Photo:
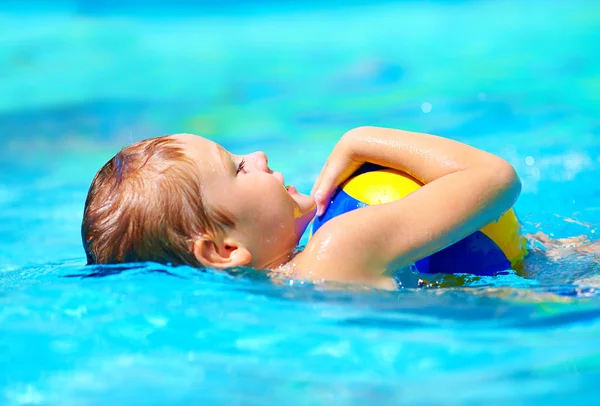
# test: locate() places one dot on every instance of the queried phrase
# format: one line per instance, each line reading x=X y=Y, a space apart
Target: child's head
x=183 y=199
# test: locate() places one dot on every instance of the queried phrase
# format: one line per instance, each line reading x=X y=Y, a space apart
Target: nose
x=260 y=161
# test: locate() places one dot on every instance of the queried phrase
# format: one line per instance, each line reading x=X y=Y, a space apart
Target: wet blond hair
x=146 y=204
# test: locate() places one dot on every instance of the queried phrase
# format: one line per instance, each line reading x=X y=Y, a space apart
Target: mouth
x=289 y=188
x=279 y=176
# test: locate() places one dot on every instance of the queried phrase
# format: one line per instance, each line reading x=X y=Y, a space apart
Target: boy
x=183 y=199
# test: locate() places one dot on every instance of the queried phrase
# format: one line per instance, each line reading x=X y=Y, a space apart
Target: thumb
x=331 y=177
x=322 y=201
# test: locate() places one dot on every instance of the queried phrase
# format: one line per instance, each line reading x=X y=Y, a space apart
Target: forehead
x=204 y=152
x=194 y=144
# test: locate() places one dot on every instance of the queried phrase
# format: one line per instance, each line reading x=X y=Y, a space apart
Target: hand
x=341 y=164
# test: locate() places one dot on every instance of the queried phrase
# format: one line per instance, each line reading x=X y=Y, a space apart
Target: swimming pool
x=80 y=79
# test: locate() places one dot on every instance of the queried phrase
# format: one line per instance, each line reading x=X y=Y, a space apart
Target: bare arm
x=465 y=189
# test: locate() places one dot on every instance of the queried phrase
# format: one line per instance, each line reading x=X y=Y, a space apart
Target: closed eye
x=241 y=166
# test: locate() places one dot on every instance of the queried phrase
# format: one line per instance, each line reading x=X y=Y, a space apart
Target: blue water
x=81 y=79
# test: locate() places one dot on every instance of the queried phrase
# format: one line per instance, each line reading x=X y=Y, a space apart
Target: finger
x=337 y=171
x=320 y=191
x=319 y=178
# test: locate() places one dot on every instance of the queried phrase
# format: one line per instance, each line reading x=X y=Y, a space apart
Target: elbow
x=506 y=181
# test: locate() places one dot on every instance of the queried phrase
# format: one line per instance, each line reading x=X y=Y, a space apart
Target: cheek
x=267 y=201
x=279 y=207
x=274 y=195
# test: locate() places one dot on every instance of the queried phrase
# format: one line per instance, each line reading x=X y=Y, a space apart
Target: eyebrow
x=224 y=158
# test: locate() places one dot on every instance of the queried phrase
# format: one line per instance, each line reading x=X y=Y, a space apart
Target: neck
x=282 y=265
x=277 y=262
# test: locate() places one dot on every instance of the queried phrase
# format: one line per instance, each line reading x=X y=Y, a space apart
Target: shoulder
x=331 y=255
x=320 y=255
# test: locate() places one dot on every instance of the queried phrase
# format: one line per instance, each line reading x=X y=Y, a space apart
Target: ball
x=496 y=247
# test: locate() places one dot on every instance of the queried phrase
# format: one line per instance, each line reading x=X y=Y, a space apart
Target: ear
x=215 y=253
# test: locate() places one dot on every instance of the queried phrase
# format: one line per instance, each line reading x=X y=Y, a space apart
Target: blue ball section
x=476 y=254
x=341 y=202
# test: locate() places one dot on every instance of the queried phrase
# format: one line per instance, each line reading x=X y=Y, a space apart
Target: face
x=269 y=217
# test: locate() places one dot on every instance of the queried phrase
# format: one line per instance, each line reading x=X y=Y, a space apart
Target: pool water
x=81 y=79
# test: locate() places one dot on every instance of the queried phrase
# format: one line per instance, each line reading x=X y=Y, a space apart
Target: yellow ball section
x=388 y=185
